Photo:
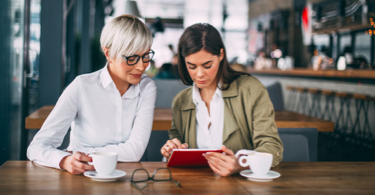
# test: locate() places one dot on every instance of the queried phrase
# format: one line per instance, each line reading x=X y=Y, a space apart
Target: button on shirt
x=100 y=119
x=209 y=138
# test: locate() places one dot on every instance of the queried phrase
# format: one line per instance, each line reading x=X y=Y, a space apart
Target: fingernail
x=208 y=162
x=208 y=153
x=203 y=154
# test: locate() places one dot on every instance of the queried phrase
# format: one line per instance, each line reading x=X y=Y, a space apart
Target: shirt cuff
x=58 y=157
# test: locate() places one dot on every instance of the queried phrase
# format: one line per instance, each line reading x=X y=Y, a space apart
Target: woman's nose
x=139 y=65
x=200 y=71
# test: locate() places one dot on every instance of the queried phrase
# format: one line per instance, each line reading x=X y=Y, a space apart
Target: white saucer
x=115 y=175
x=262 y=178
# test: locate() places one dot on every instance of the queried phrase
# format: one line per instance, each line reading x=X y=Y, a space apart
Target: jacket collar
x=232 y=91
x=188 y=103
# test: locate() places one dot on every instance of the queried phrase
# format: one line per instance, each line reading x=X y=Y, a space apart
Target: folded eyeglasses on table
x=142 y=175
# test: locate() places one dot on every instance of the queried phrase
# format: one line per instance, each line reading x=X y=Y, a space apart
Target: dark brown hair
x=204 y=36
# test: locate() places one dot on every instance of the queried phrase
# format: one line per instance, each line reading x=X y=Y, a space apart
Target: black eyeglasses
x=132 y=60
x=141 y=175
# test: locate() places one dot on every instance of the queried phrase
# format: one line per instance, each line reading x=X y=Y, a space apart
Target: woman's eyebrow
x=202 y=64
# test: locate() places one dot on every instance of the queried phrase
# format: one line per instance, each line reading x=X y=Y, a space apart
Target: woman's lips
x=136 y=75
x=201 y=82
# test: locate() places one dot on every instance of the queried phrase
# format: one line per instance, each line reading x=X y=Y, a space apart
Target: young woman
x=108 y=110
x=223 y=109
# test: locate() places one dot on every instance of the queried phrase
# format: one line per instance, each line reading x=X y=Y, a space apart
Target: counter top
x=363 y=74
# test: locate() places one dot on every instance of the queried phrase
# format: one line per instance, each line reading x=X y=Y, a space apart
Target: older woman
x=223 y=109
x=108 y=110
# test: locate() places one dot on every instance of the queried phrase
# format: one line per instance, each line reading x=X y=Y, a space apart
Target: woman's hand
x=223 y=164
x=76 y=163
x=168 y=147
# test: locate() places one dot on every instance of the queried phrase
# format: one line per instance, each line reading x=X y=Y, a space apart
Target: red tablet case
x=189 y=157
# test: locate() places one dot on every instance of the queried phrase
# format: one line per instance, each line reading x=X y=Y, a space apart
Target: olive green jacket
x=249 y=118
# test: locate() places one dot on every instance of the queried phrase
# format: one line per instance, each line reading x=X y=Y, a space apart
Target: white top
x=209 y=138
x=100 y=119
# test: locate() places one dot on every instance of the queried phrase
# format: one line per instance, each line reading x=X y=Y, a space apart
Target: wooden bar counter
x=360 y=74
x=25 y=177
x=163 y=120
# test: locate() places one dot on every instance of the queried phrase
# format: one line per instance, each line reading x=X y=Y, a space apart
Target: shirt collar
x=106 y=79
x=197 y=96
x=133 y=91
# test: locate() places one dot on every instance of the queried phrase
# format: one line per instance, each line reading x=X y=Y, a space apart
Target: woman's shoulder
x=87 y=78
x=248 y=82
x=183 y=96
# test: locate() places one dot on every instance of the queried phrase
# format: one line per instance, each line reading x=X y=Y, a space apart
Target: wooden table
x=25 y=177
x=163 y=120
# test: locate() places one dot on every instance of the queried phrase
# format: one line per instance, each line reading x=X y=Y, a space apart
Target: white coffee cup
x=259 y=162
x=104 y=162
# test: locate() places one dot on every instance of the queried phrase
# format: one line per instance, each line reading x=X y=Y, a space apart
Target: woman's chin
x=201 y=86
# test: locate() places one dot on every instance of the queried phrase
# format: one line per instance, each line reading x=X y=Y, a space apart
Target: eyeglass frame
x=139 y=57
x=152 y=178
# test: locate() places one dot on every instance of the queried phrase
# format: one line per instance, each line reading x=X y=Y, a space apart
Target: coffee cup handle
x=244 y=164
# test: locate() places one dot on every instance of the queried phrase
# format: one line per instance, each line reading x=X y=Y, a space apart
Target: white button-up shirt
x=100 y=119
x=209 y=138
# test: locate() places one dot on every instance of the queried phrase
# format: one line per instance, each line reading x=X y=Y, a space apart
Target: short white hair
x=125 y=35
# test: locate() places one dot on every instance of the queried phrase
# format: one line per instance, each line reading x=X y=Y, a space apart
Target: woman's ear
x=221 y=57
x=106 y=53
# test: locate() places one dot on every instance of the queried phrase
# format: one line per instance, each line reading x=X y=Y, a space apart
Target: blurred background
x=304 y=45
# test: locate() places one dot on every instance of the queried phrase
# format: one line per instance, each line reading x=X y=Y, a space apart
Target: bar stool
x=343 y=123
x=329 y=111
x=292 y=96
x=302 y=105
x=315 y=109
x=363 y=132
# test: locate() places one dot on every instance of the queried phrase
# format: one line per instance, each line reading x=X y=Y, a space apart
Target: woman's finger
x=219 y=163
x=185 y=145
x=165 y=152
x=77 y=166
x=83 y=166
x=171 y=144
x=177 y=142
x=214 y=168
x=82 y=157
x=221 y=156
x=227 y=151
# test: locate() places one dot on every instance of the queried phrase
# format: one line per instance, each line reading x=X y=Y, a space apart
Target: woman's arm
x=265 y=134
x=132 y=150
x=175 y=137
x=43 y=148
